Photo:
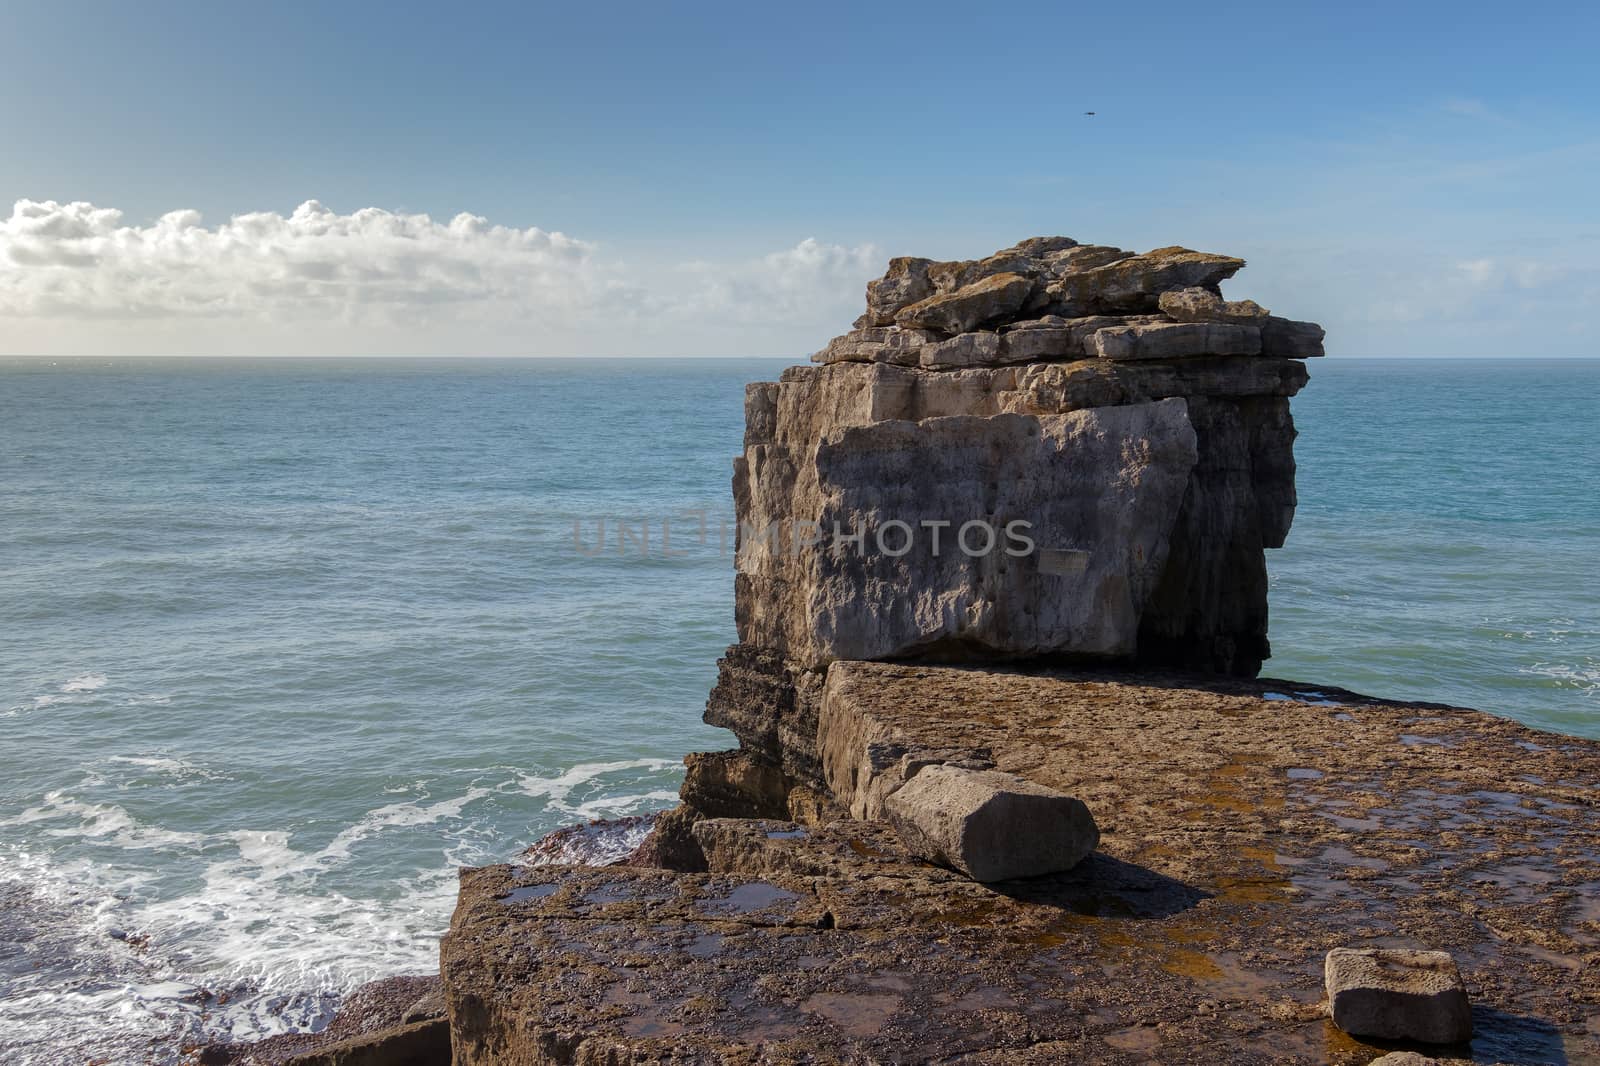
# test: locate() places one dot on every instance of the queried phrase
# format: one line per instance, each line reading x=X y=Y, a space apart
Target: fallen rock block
x=991 y=826
x=1404 y=1058
x=1395 y=994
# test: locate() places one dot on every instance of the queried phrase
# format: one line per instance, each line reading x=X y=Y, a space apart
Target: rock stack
x=1061 y=452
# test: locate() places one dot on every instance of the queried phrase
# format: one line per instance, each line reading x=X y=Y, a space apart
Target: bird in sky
x=1088 y=112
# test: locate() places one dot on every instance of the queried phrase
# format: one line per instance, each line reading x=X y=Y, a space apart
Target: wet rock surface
x=398 y=1021
x=1247 y=829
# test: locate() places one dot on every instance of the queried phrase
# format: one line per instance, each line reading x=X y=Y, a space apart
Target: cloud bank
x=76 y=278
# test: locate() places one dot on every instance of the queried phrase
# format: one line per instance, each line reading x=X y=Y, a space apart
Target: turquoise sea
x=283 y=642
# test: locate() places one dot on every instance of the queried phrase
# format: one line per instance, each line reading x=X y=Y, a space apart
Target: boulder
x=1203 y=305
x=905 y=282
x=1175 y=340
x=990 y=300
x=1133 y=285
x=1044 y=344
x=989 y=825
x=1058 y=264
x=1403 y=1058
x=1041 y=246
x=1076 y=260
x=1396 y=994
x=1286 y=339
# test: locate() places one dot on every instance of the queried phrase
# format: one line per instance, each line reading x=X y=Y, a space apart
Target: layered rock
x=1150 y=466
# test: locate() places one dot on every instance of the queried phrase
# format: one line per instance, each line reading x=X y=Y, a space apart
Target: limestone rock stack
x=1062 y=451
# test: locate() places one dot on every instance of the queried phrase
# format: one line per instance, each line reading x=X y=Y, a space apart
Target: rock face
x=1395 y=994
x=1017 y=535
x=1122 y=516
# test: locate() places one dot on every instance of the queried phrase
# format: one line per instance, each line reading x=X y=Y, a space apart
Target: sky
x=722 y=179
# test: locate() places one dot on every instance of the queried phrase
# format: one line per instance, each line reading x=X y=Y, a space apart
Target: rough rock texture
x=771 y=706
x=992 y=299
x=1174 y=340
x=1398 y=994
x=1099 y=491
x=905 y=282
x=1203 y=305
x=1247 y=829
x=989 y=825
x=1135 y=284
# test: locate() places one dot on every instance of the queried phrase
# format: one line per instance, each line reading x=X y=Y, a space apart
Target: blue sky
x=1419 y=178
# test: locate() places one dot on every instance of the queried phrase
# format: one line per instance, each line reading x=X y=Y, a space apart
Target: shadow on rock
x=1104 y=887
x=1499 y=1036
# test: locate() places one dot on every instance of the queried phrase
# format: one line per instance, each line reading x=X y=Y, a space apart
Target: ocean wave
x=598 y=843
x=255 y=944
x=69 y=691
x=559 y=790
x=151 y=936
x=1584 y=678
x=168 y=766
x=84 y=683
x=102 y=822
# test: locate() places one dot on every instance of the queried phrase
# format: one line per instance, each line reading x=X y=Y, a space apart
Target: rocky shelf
x=1247 y=828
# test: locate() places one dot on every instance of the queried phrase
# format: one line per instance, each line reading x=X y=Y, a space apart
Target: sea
x=284 y=643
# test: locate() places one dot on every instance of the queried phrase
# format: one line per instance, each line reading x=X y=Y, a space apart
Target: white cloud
x=77 y=260
x=76 y=277
x=785 y=286
x=1513 y=273
x=1477 y=271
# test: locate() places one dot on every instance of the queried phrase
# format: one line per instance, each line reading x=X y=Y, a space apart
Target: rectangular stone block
x=1397 y=994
